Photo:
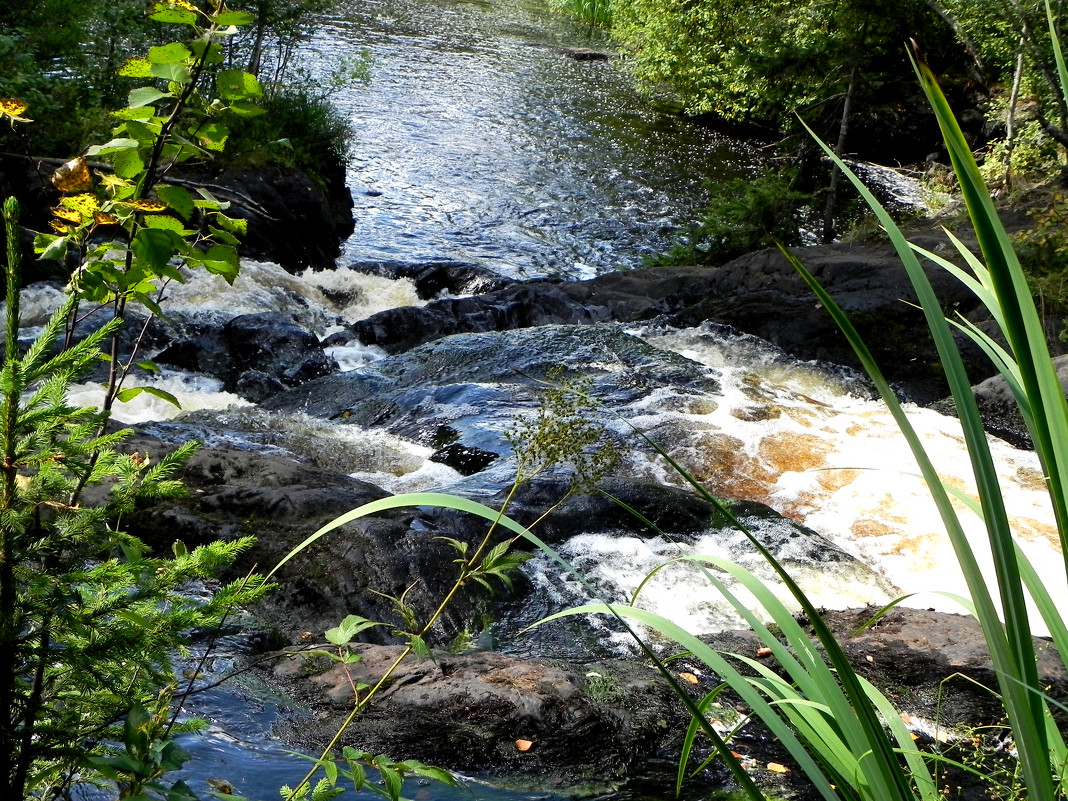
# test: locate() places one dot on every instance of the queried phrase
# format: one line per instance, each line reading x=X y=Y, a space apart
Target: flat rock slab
x=487 y=710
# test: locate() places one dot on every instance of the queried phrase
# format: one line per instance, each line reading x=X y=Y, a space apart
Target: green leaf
x=144 y=133
x=359 y=774
x=153 y=247
x=213 y=136
x=162 y=394
x=146 y=95
x=392 y=781
x=146 y=300
x=234 y=225
x=419 y=647
x=128 y=394
x=246 y=108
x=142 y=113
x=50 y=247
x=167 y=223
x=222 y=260
x=223 y=236
x=128 y=163
x=237 y=85
x=171 y=14
x=169 y=53
x=330 y=769
x=176 y=73
x=208 y=52
x=135 y=68
x=177 y=198
x=149 y=366
x=347 y=630
x=234 y=18
x=113 y=146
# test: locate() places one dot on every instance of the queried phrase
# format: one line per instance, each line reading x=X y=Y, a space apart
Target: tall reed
x=847 y=737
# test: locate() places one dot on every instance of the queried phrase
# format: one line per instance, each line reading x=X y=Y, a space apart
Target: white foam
x=318 y=300
x=192 y=392
x=794 y=438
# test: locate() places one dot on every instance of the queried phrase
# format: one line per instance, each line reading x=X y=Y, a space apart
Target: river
x=479 y=142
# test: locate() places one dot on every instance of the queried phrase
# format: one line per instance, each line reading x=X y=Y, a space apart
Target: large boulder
x=255 y=355
x=490 y=711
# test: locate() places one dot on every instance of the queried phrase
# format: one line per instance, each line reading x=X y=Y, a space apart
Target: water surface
x=479 y=141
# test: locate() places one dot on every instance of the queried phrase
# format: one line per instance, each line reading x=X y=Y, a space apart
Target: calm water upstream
x=479 y=141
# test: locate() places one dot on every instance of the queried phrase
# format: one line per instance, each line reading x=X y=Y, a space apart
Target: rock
x=602 y=721
x=490 y=711
x=760 y=294
x=586 y=54
x=255 y=355
x=998 y=406
x=463 y=459
x=291 y=220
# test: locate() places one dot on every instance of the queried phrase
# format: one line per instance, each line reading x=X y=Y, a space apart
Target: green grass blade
x=1010 y=644
x=1022 y=323
x=739 y=683
x=893 y=777
x=1058 y=55
x=403 y=501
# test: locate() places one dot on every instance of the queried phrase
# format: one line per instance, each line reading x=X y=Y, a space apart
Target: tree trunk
x=843 y=131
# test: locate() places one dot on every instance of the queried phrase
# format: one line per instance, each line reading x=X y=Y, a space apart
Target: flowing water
x=479 y=142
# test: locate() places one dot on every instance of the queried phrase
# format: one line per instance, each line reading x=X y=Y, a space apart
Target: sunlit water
x=478 y=141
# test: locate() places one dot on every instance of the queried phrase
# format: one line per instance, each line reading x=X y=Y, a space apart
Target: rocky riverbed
x=453 y=374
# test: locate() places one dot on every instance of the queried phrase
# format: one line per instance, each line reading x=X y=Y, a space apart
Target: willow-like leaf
x=1010 y=645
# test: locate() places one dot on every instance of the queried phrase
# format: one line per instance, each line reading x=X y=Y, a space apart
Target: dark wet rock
x=282 y=501
x=600 y=721
x=292 y=220
x=759 y=294
x=463 y=459
x=998 y=406
x=935 y=665
x=586 y=54
x=484 y=710
x=255 y=355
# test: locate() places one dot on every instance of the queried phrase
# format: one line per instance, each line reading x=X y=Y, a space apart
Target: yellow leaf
x=14 y=108
x=72 y=177
x=85 y=203
x=689 y=677
x=776 y=767
x=148 y=205
x=68 y=215
x=523 y=745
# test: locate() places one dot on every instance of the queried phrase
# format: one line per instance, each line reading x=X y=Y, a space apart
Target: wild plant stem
x=465 y=571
